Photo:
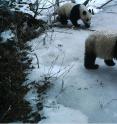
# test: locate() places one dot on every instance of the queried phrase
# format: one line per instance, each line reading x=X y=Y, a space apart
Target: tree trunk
x=57 y=3
x=86 y=2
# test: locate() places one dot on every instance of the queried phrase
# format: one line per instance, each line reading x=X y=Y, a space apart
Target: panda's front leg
x=75 y=25
x=109 y=62
x=74 y=21
x=89 y=61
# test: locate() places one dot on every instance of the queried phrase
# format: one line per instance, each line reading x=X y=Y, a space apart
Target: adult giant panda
x=102 y=45
x=74 y=12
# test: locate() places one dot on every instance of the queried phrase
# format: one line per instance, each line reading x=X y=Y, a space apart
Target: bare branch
x=109 y=102
x=86 y=2
x=37 y=59
x=53 y=5
x=37 y=7
x=52 y=64
x=104 y=4
x=57 y=3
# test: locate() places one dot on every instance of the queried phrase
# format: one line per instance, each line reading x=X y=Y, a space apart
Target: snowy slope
x=79 y=96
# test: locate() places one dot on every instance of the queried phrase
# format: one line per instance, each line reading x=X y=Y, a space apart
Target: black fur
x=89 y=61
x=84 y=13
x=87 y=25
x=75 y=15
x=63 y=20
x=109 y=62
x=91 y=11
x=115 y=51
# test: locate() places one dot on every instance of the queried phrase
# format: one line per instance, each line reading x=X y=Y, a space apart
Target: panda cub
x=102 y=45
x=74 y=12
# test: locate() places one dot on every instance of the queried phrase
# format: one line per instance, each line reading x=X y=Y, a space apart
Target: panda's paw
x=109 y=62
x=76 y=27
x=95 y=66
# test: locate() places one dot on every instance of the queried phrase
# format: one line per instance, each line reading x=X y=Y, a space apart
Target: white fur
x=101 y=44
x=65 y=9
x=88 y=16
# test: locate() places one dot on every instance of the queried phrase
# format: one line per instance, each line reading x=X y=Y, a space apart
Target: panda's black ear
x=84 y=13
x=91 y=11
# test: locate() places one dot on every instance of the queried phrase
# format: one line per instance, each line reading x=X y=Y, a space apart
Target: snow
x=23 y=8
x=29 y=1
x=32 y=97
x=6 y=35
x=97 y=3
x=63 y=115
x=47 y=54
x=78 y=95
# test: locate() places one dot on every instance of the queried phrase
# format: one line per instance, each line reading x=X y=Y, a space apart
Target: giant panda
x=103 y=45
x=74 y=12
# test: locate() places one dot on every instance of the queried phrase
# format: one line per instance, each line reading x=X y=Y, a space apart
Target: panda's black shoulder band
x=75 y=12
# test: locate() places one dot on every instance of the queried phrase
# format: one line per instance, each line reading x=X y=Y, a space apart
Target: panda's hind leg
x=63 y=20
x=109 y=62
x=89 y=61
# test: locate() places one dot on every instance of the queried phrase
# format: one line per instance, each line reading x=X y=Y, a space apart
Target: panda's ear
x=84 y=13
x=91 y=11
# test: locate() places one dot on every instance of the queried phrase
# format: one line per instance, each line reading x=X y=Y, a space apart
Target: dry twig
x=104 y=4
x=37 y=59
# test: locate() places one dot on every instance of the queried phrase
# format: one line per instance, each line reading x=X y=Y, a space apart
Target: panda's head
x=85 y=15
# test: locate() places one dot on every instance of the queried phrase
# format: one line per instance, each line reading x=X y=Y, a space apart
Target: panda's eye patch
x=87 y=20
x=84 y=12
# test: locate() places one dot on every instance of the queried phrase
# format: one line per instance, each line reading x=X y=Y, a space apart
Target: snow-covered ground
x=77 y=95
